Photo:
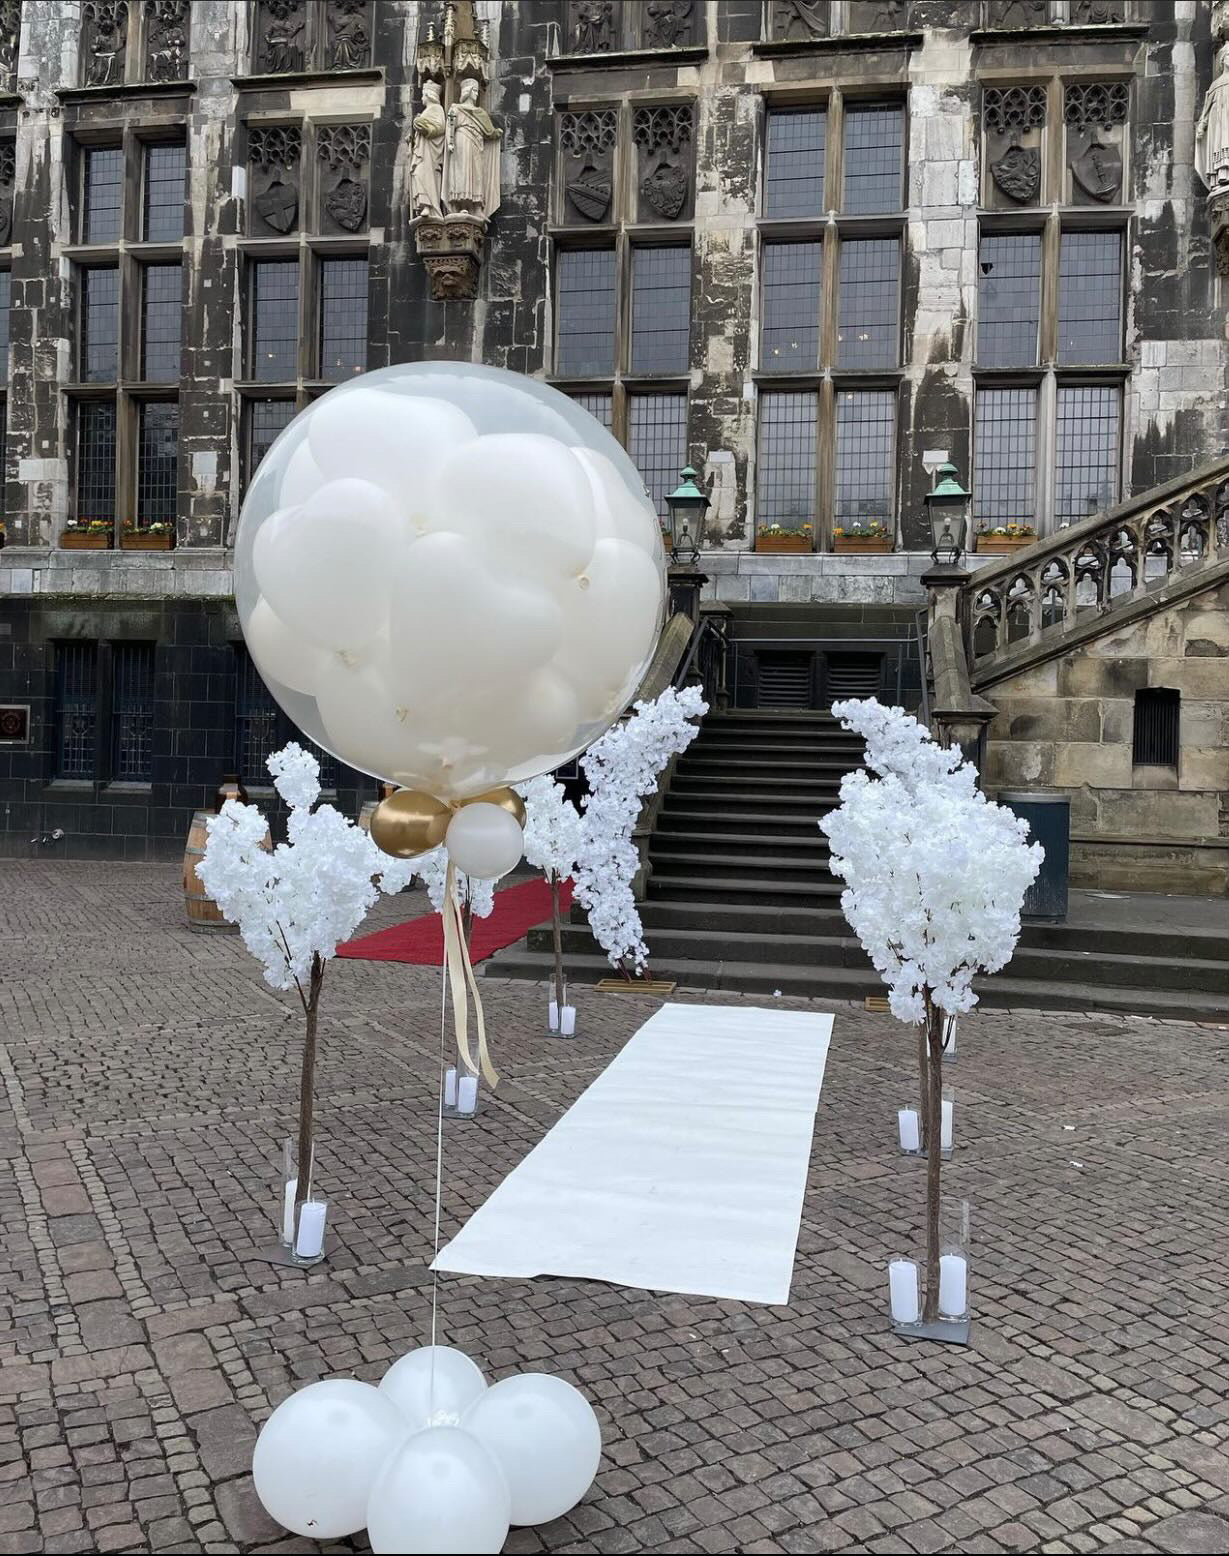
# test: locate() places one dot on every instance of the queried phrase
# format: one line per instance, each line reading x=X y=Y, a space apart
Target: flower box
x=146 y=542
x=1002 y=545
x=862 y=543
x=783 y=543
x=85 y=540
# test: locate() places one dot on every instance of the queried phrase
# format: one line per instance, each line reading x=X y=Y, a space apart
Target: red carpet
x=421 y=940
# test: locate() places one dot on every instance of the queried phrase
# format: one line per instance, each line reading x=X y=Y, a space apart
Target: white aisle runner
x=681 y=1168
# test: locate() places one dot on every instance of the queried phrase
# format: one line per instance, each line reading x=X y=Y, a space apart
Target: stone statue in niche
x=427 y=157
x=1096 y=13
x=105 y=41
x=471 y=166
x=280 y=43
x=592 y=27
x=798 y=20
x=349 y=42
x=1020 y=13
x=1212 y=140
x=8 y=177
x=589 y=138
x=877 y=15
x=10 y=38
x=166 y=39
x=274 y=152
x=662 y=134
x=667 y=23
x=346 y=150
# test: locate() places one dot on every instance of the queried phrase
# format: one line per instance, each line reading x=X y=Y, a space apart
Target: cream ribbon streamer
x=461 y=973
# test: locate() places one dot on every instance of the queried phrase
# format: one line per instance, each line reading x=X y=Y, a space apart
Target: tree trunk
x=307 y=1083
x=923 y=1065
x=557 y=926
x=934 y=1154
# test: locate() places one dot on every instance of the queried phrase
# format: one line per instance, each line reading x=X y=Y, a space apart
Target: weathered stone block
x=1081 y=763
x=1083 y=675
x=1203 y=768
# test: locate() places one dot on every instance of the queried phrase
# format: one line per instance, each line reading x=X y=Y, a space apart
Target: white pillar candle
x=567 y=1021
x=953 y=1285
x=910 y=1130
x=903 y=1285
x=467 y=1094
x=292 y=1188
x=949 y=1049
x=450 y=1088
x=310 y=1242
x=947 y=1128
x=553 y=1016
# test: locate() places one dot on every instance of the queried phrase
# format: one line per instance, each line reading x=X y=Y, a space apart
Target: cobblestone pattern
x=149 y=1077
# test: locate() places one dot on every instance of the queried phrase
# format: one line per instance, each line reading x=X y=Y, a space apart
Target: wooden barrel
x=203 y=912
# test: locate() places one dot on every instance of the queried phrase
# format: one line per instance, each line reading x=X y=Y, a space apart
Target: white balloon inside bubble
x=450 y=576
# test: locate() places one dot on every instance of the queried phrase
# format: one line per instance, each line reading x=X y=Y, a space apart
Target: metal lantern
x=688 y=505
x=948 y=507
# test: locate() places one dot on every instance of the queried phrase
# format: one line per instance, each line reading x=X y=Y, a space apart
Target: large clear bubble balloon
x=318 y=1455
x=449 y=576
x=546 y=1439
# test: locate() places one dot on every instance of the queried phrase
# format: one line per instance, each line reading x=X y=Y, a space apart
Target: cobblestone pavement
x=149 y=1077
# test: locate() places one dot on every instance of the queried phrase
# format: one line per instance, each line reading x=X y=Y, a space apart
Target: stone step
x=802 y=769
x=855 y=983
x=768 y=868
x=743 y=824
x=688 y=886
x=697 y=796
x=810 y=844
x=804 y=786
x=825 y=748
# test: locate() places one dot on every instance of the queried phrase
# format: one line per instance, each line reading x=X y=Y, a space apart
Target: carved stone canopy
x=451 y=250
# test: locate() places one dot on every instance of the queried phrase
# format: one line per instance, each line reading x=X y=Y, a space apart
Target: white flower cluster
x=553 y=827
x=935 y=873
x=622 y=768
x=311 y=892
x=432 y=870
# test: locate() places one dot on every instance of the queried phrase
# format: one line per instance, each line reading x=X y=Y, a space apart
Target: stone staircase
x=740 y=895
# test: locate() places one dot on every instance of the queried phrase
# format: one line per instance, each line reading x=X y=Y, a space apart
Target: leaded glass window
x=158 y=462
x=865 y=465
x=275 y=320
x=103 y=195
x=789 y=336
x=585 y=302
x=1089 y=417
x=163 y=217
x=6 y=283
x=599 y=406
x=1090 y=297
x=661 y=310
x=1005 y=459
x=1009 y=299
x=794 y=163
x=161 y=323
x=132 y=712
x=874 y=159
x=343 y=318
x=265 y=418
x=100 y=325
x=95 y=459
x=785 y=460
x=868 y=322
x=76 y=708
x=657 y=441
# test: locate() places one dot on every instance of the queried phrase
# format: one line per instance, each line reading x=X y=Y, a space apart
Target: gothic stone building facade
x=796 y=243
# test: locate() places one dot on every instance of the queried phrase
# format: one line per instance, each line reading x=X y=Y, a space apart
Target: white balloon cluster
x=432 y=1460
x=449 y=576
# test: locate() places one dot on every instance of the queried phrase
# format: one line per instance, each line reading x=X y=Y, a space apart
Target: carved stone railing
x=1083 y=580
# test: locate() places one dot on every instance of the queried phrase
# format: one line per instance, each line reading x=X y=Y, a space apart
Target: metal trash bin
x=1049 y=823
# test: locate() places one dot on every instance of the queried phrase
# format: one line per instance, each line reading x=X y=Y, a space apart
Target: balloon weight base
x=949 y=1331
x=635 y=986
x=920 y=1156
x=465 y=1118
x=288 y=1259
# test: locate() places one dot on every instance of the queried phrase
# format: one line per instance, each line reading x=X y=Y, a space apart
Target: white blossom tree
x=623 y=767
x=294 y=906
x=553 y=835
x=935 y=876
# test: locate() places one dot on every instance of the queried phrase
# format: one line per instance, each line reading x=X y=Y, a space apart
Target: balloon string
x=439 y=1182
x=464 y=985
